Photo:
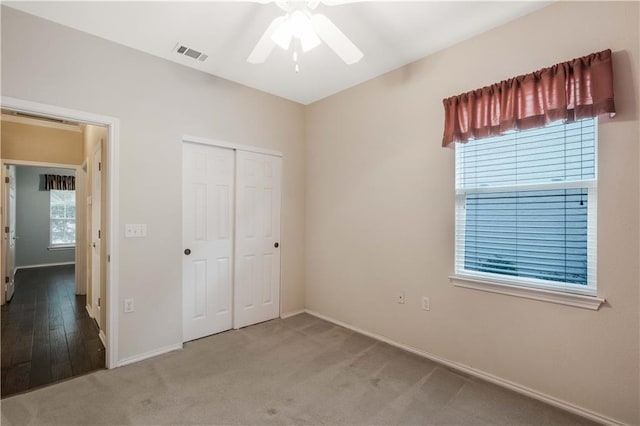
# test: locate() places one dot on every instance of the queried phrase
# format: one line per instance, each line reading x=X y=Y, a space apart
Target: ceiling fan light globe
x=309 y=41
x=302 y=29
x=299 y=23
x=282 y=35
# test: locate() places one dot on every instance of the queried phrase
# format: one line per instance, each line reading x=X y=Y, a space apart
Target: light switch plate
x=135 y=230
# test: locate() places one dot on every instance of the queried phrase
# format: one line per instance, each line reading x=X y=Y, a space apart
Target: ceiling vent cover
x=183 y=50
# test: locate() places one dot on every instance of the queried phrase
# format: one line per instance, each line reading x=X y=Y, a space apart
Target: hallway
x=47 y=334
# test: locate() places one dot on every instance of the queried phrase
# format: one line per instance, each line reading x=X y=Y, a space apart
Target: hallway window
x=62 y=215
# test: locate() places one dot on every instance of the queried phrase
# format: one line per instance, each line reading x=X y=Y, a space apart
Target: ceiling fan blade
x=336 y=39
x=265 y=45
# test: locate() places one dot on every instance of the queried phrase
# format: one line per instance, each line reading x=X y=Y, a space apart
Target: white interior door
x=96 y=234
x=10 y=236
x=81 y=236
x=207 y=229
x=257 y=254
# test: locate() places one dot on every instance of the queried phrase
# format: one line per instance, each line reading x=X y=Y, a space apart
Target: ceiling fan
x=306 y=30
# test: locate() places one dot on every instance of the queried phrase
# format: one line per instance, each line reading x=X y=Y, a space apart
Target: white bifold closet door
x=231 y=231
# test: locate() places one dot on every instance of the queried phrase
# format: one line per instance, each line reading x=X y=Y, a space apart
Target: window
x=526 y=208
x=62 y=216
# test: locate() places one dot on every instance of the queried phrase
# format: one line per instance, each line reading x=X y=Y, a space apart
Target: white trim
x=22 y=105
x=95 y=281
x=89 y=311
x=569 y=299
x=64 y=246
x=113 y=248
x=292 y=314
x=590 y=183
x=61 y=247
x=230 y=145
x=528 y=287
x=41 y=123
x=4 y=211
x=113 y=124
x=44 y=265
x=147 y=355
x=103 y=338
x=42 y=164
x=540 y=396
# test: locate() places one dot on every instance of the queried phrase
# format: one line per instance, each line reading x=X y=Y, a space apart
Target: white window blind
x=526 y=207
x=62 y=216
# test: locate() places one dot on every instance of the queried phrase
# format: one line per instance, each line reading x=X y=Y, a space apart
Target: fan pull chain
x=295 y=60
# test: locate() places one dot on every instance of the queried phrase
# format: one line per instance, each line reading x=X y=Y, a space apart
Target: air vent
x=192 y=53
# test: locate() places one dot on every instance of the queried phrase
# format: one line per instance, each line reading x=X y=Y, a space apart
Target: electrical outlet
x=426 y=304
x=400 y=297
x=128 y=306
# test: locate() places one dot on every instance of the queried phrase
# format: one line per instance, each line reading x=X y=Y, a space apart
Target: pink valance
x=568 y=91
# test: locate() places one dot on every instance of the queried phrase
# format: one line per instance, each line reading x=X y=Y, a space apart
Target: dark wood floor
x=47 y=334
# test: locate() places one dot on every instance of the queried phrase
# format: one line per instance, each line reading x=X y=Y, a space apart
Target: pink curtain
x=569 y=91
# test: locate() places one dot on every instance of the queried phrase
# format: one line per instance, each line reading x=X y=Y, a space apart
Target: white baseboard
x=567 y=406
x=89 y=310
x=147 y=355
x=103 y=338
x=44 y=265
x=291 y=314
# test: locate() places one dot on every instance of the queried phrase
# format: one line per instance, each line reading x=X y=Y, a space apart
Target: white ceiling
x=390 y=34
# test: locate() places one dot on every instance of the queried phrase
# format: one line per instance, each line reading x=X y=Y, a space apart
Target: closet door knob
x=276 y=245
x=187 y=251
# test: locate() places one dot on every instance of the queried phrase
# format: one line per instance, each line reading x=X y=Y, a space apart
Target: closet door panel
x=207 y=232
x=258 y=196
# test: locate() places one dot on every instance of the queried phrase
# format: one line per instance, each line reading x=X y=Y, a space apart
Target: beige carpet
x=301 y=370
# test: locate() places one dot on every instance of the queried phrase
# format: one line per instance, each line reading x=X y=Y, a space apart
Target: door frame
x=8 y=215
x=95 y=295
x=113 y=176
x=24 y=163
x=238 y=147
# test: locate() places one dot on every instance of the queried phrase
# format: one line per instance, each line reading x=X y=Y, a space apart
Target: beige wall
x=380 y=215
x=27 y=142
x=368 y=200
x=157 y=102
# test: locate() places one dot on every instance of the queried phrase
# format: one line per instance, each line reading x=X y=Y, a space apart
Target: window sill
x=61 y=247
x=577 y=300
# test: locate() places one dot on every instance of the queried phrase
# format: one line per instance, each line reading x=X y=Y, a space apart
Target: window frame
x=579 y=295
x=62 y=246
